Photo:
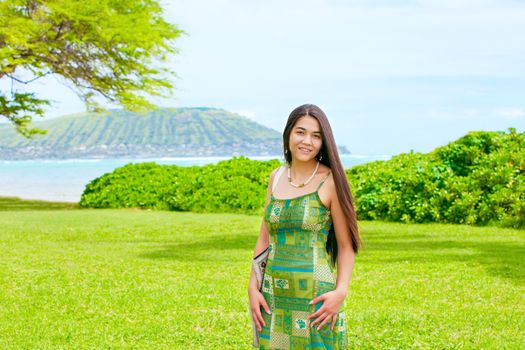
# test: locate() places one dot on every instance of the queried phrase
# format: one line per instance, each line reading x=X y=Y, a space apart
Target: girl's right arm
x=256 y=297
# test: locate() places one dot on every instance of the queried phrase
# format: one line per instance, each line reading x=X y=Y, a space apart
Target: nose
x=307 y=139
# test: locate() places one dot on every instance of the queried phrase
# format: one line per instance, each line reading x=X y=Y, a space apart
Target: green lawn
x=15 y=203
x=115 y=279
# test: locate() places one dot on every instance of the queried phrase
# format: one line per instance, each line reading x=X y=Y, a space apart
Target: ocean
x=64 y=180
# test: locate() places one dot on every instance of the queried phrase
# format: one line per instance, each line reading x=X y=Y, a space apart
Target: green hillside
x=161 y=133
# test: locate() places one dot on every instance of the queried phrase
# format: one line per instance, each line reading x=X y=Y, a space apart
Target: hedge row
x=236 y=185
x=478 y=179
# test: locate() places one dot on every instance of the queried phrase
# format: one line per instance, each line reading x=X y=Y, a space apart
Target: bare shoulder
x=273 y=173
x=270 y=184
x=327 y=191
x=323 y=170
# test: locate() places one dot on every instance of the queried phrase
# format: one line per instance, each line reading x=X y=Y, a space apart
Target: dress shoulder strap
x=323 y=180
x=277 y=177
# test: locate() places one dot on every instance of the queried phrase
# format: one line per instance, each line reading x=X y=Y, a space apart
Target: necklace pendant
x=304 y=183
x=295 y=185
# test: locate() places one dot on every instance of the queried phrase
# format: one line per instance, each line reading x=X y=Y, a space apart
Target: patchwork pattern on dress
x=299 y=270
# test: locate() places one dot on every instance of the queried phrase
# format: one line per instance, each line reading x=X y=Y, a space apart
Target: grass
x=15 y=203
x=121 y=279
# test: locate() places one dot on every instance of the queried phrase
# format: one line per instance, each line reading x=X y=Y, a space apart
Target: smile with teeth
x=304 y=150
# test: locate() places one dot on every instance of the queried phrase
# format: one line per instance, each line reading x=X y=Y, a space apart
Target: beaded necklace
x=304 y=183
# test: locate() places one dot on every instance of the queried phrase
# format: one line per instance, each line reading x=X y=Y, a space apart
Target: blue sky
x=391 y=75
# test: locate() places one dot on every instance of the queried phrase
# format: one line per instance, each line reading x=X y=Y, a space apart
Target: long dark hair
x=329 y=157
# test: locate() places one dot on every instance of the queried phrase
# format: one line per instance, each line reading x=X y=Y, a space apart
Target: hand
x=332 y=302
x=256 y=301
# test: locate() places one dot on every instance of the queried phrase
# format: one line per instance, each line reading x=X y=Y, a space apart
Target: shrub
x=478 y=179
x=235 y=185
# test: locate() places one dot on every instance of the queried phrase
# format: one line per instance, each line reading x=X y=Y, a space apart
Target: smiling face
x=305 y=139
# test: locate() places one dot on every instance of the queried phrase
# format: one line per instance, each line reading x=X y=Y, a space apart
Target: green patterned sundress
x=298 y=269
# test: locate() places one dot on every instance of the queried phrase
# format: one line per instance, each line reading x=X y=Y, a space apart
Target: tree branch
x=28 y=81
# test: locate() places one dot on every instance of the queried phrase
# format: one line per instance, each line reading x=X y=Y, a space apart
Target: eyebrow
x=300 y=127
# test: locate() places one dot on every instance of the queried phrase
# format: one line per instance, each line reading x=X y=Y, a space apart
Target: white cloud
x=476 y=114
x=512 y=113
x=330 y=39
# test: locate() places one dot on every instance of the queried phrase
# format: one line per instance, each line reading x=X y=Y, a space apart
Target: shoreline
x=64 y=180
x=191 y=158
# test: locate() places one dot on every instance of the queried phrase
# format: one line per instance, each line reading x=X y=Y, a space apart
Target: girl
x=310 y=228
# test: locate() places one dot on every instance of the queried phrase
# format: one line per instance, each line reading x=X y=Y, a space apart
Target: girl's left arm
x=345 y=253
x=333 y=300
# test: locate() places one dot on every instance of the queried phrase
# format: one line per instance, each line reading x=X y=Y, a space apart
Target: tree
x=103 y=49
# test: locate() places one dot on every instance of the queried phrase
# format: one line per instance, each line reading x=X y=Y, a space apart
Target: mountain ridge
x=164 y=132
